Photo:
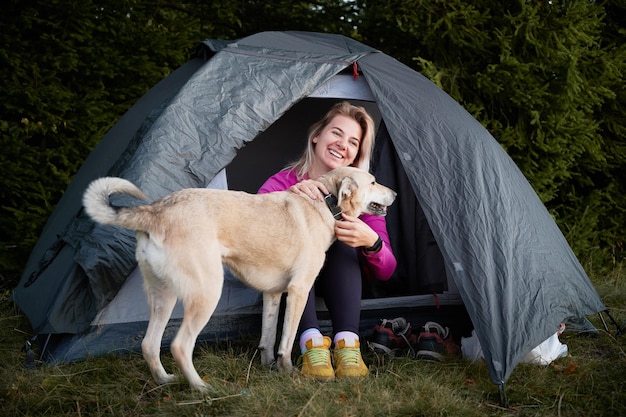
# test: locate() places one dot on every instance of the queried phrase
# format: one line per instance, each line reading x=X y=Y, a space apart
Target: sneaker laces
x=349 y=356
x=433 y=327
x=401 y=327
x=317 y=356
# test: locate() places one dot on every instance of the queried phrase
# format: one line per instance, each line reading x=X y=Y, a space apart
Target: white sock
x=349 y=337
x=309 y=334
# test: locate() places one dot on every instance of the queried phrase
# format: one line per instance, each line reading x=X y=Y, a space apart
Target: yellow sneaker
x=348 y=361
x=316 y=360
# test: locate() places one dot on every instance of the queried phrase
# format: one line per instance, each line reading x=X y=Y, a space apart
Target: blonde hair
x=344 y=108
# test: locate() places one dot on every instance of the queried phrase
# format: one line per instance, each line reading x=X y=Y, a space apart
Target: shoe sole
x=429 y=355
x=319 y=378
x=352 y=376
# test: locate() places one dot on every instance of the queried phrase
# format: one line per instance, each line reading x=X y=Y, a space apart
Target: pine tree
x=545 y=77
x=74 y=67
x=541 y=76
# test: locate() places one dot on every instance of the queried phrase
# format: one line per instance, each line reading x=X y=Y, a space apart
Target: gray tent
x=475 y=245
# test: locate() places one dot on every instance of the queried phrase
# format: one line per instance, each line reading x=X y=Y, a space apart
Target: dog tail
x=99 y=208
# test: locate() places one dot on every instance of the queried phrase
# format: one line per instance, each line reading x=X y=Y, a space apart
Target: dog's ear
x=347 y=189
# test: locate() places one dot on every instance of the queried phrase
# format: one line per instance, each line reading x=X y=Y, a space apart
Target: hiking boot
x=316 y=360
x=391 y=336
x=434 y=342
x=348 y=361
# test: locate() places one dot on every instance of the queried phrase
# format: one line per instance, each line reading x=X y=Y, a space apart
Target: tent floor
x=109 y=339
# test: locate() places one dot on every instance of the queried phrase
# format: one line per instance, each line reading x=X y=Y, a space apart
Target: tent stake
x=504 y=401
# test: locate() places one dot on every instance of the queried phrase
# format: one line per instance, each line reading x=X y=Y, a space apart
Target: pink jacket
x=379 y=265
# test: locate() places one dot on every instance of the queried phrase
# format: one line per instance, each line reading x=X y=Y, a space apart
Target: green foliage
x=547 y=80
x=74 y=69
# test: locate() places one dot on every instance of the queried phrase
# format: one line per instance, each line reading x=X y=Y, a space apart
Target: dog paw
x=202 y=388
x=165 y=379
x=268 y=362
x=284 y=364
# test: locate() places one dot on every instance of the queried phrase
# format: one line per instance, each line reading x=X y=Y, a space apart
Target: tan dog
x=273 y=242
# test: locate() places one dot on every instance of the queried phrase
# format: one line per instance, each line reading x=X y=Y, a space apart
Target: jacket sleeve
x=278 y=182
x=382 y=264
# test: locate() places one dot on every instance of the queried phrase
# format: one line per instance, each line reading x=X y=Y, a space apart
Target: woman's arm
x=382 y=263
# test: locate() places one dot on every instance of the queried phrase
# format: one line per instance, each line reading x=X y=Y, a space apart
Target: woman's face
x=337 y=145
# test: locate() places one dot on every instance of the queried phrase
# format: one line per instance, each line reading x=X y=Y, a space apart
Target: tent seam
x=299 y=59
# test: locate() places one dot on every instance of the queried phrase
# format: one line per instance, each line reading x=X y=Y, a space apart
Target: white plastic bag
x=470 y=347
x=548 y=351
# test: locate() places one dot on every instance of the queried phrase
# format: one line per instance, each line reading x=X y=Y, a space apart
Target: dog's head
x=358 y=192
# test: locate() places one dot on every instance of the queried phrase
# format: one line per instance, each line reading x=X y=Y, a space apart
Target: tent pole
x=606 y=328
x=45 y=346
x=620 y=329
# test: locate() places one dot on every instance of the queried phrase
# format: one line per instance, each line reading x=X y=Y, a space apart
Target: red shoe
x=435 y=342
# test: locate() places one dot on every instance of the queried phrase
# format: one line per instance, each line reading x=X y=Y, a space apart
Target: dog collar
x=331 y=202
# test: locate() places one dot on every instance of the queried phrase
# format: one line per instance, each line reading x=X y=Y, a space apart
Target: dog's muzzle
x=377 y=209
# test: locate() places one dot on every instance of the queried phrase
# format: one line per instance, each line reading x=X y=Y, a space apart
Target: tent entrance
x=421 y=267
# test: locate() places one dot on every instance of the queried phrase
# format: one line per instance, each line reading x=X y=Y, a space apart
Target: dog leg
x=297 y=295
x=271 y=307
x=162 y=301
x=296 y=301
x=199 y=307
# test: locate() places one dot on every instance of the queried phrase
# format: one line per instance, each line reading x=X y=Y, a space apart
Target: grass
x=590 y=381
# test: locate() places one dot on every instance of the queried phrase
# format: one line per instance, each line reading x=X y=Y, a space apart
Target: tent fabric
x=467 y=227
x=52 y=291
x=487 y=219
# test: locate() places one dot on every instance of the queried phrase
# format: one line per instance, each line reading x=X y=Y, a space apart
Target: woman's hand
x=355 y=232
x=314 y=189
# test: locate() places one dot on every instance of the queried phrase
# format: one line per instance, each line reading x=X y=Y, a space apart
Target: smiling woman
x=343 y=137
x=346 y=130
x=336 y=145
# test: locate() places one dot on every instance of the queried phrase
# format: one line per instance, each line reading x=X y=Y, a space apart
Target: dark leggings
x=339 y=284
